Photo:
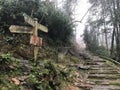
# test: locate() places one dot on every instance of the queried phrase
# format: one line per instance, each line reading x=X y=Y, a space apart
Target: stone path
x=102 y=76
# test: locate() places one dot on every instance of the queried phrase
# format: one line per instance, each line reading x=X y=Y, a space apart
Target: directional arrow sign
x=30 y=21
x=35 y=40
x=21 y=29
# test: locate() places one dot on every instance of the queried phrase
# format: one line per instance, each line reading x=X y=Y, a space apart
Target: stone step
x=104 y=76
x=105 y=87
x=96 y=61
x=105 y=82
x=102 y=71
x=99 y=61
x=101 y=68
x=100 y=65
x=91 y=63
x=101 y=75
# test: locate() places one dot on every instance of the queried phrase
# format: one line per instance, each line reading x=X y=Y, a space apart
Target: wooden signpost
x=21 y=29
x=34 y=40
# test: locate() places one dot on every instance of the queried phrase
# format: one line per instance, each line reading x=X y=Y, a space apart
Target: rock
x=11 y=67
x=23 y=78
x=26 y=73
x=85 y=56
x=82 y=67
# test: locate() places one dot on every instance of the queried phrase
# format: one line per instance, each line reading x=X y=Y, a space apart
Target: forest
x=102 y=34
x=39 y=48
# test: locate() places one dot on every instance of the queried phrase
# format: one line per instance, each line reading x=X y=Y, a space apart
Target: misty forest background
x=60 y=53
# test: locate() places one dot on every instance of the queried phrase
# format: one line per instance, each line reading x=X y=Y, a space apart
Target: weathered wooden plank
x=30 y=21
x=42 y=28
x=21 y=29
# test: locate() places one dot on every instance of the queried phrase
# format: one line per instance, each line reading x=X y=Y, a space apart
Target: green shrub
x=4 y=88
x=47 y=78
x=8 y=63
x=102 y=51
x=6 y=59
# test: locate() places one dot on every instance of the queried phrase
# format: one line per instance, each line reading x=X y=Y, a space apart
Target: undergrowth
x=7 y=62
x=9 y=67
x=48 y=77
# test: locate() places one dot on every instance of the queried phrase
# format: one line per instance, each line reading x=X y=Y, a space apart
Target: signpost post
x=35 y=40
x=35 y=33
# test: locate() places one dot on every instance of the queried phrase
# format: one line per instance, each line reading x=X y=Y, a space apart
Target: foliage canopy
x=11 y=12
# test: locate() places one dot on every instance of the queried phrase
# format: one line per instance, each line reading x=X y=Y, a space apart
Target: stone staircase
x=102 y=76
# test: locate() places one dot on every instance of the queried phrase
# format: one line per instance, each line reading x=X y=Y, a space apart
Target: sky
x=80 y=11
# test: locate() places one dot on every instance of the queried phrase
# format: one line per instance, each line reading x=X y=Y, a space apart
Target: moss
x=111 y=64
x=115 y=83
x=74 y=59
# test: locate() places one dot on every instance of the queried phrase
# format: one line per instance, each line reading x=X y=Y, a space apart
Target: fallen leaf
x=16 y=81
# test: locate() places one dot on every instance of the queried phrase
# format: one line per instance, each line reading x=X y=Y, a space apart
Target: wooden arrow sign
x=21 y=29
x=30 y=21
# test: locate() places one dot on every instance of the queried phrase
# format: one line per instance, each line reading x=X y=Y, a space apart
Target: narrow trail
x=102 y=76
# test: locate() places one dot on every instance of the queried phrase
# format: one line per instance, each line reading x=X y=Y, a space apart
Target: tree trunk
x=112 y=42
x=118 y=31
